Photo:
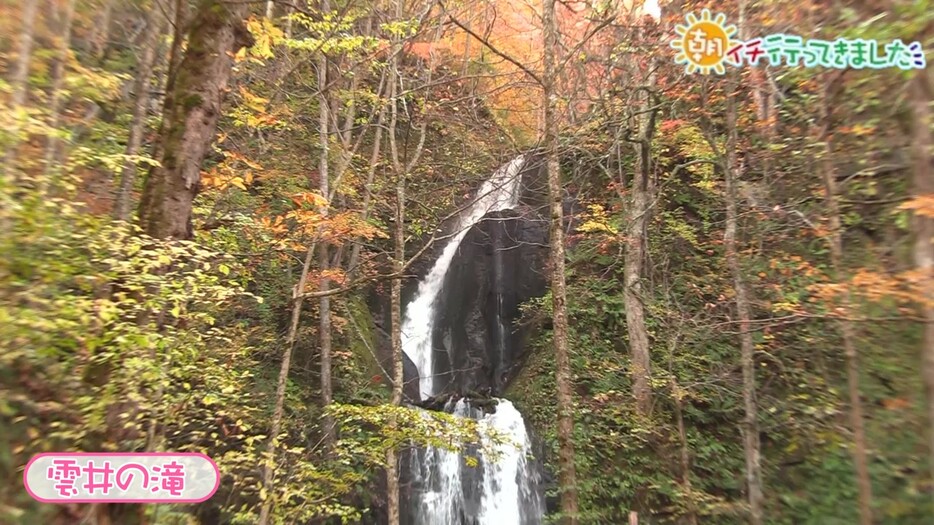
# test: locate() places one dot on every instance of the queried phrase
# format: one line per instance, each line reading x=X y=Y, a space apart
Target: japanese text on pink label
x=121 y=477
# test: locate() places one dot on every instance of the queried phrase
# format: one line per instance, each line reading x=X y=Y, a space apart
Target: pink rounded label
x=121 y=477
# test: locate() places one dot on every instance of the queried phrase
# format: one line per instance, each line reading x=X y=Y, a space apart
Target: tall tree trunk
x=193 y=105
x=324 y=261
x=179 y=17
x=923 y=180
x=19 y=79
x=400 y=169
x=752 y=448
x=101 y=30
x=847 y=329
x=678 y=395
x=58 y=79
x=157 y=19
x=751 y=445
x=398 y=263
x=637 y=213
x=20 y=76
x=567 y=475
x=367 y=189
x=269 y=465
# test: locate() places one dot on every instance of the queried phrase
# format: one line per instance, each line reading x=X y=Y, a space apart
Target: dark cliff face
x=379 y=305
x=500 y=264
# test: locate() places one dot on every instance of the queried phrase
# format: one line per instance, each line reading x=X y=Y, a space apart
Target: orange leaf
x=922 y=205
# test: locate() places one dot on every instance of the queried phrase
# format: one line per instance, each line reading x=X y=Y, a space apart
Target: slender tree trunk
x=324 y=261
x=193 y=105
x=400 y=169
x=633 y=269
x=566 y=469
x=923 y=180
x=276 y=424
x=20 y=76
x=392 y=456
x=19 y=80
x=752 y=450
x=764 y=101
x=58 y=79
x=324 y=341
x=633 y=294
x=367 y=189
x=678 y=395
x=398 y=263
x=751 y=445
x=147 y=60
x=847 y=329
x=101 y=30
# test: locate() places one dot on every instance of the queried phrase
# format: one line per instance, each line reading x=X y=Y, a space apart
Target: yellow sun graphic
x=703 y=44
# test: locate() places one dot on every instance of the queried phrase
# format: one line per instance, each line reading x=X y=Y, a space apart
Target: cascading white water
x=502 y=490
x=509 y=484
x=499 y=491
x=500 y=192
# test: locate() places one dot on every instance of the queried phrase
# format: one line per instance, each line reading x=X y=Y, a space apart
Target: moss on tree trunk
x=193 y=103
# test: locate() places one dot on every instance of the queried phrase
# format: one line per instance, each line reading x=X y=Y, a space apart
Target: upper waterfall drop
x=446 y=488
x=499 y=192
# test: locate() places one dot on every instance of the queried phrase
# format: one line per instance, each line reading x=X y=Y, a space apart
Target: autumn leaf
x=597 y=221
x=275 y=226
x=265 y=37
x=310 y=198
x=922 y=205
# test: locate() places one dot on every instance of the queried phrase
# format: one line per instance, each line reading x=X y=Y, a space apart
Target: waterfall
x=504 y=490
x=511 y=483
x=501 y=490
x=500 y=192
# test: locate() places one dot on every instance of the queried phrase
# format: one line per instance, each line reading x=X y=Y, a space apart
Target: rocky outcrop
x=501 y=263
x=499 y=266
x=379 y=306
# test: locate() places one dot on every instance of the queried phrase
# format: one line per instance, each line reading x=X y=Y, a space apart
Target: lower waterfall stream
x=506 y=490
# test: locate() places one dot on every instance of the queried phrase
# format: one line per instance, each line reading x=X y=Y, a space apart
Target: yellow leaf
x=255 y=102
x=309 y=198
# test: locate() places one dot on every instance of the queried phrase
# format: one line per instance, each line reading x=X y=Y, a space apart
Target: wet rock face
x=379 y=307
x=500 y=264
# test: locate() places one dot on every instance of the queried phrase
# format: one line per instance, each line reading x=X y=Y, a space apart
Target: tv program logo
x=705 y=44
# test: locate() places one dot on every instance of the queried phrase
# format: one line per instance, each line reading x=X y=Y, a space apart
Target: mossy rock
x=362 y=340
